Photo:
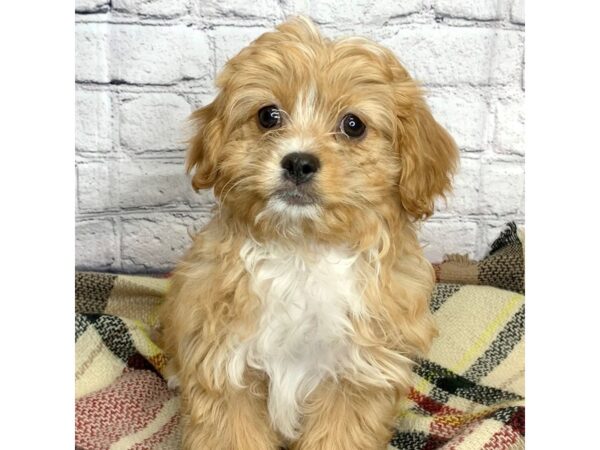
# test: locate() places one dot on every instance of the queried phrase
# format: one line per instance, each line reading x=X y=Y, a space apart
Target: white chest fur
x=304 y=331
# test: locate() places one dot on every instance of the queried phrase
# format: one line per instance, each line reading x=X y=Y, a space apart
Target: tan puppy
x=296 y=315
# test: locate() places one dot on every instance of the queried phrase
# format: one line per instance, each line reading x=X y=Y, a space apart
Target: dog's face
x=311 y=135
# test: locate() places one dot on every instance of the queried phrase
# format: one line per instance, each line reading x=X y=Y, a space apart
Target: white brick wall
x=142 y=66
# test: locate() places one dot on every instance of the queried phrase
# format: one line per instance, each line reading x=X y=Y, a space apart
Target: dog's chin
x=296 y=197
x=289 y=205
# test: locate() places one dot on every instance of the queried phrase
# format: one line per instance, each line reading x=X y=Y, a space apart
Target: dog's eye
x=269 y=116
x=352 y=126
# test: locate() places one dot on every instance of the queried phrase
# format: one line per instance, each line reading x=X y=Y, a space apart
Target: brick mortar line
x=426 y=14
x=189 y=87
x=391 y=24
x=188 y=20
x=144 y=213
x=168 y=157
x=120 y=86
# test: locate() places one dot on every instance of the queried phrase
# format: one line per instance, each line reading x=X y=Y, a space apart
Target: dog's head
x=317 y=136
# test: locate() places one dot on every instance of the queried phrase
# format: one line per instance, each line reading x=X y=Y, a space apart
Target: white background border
x=563 y=173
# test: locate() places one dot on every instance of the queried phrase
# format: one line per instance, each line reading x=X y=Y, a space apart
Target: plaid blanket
x=468 y=394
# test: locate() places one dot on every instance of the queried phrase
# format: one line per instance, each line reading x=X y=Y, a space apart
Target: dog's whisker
x=231 y=188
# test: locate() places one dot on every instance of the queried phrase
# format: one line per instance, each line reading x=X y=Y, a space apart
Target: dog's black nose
x=300 y=167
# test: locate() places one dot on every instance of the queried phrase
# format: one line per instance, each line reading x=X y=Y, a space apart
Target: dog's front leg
x=343 y=416
x=231 y=419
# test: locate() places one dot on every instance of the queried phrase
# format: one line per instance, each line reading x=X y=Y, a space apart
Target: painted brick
x=91 y=52
x=156 y=242
x=446 y=237
x=154 y=121
x=88 y=6
x=158 y=54
x=464 y=198
x=92 y=121
x=464 y=113
x=361 y=11
x=517 y=12
x=150 y=183
x=239 y=9
x=230 y=40
x=200 y=100
x=95 y=181
x=510 y=125
x=295 y=7
x=456 y=55
x=154 y=8
x=469 y=9
x=502 y=187
x=96 y=244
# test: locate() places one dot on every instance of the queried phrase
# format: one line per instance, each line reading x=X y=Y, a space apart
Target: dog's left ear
x=203 y=150
x=428 y=155
x=428 y=159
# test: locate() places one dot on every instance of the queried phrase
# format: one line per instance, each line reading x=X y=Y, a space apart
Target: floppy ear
x=428 y=160
x=428 y=154
x=203 y=149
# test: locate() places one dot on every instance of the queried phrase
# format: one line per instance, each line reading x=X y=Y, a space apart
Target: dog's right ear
x=203 y=149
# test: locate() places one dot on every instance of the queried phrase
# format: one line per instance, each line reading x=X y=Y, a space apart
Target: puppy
x=295 y=318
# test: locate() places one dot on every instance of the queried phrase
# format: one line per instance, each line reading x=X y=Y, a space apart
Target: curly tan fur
x=370 y=192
